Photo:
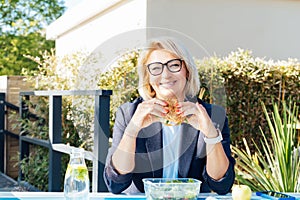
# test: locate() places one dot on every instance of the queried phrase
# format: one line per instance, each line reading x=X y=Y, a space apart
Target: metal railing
x=55 y=145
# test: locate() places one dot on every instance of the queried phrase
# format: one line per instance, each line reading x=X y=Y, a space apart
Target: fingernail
x=178 y=106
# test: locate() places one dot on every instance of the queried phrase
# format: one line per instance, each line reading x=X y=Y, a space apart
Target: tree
x=22 y=32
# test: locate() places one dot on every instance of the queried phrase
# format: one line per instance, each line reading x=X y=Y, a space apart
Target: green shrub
x=122 y=79
x=238 y=82
x=247 y=81
x=55 y=73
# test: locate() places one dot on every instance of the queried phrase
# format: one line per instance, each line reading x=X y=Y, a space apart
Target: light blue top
x=171 y=141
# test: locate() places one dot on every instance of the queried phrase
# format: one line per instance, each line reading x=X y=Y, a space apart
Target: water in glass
x=76 y=184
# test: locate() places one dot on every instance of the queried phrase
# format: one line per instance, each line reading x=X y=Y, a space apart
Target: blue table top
x=105 y=196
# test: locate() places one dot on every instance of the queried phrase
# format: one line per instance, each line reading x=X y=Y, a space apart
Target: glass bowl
x=175 y=189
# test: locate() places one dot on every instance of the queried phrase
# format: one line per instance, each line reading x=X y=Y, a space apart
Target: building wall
x=270 y=28
x=121 y=17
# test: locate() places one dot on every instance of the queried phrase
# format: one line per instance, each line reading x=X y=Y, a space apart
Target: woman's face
x=167 y=84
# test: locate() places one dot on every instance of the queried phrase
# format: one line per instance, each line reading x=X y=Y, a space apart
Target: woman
x=146 y=144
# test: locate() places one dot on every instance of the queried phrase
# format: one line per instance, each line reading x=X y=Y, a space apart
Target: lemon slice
x=79 y=172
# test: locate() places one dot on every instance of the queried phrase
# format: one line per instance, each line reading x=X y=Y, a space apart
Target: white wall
x=270 y=28
x=120 y=17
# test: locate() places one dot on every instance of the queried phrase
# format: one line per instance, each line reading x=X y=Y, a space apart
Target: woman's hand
x=197 y=116
x=148 y=112
x=216 y=162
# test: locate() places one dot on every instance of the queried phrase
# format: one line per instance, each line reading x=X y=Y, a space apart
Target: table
x=103 y=196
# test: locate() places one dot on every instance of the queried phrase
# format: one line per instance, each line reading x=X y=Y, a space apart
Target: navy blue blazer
x=149 y=153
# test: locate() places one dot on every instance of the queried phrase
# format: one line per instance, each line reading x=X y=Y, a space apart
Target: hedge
x=238 y=82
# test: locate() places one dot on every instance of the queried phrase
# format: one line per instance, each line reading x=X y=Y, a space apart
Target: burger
x=172 y=118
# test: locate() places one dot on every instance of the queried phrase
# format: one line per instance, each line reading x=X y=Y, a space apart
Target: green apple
x=241 y=192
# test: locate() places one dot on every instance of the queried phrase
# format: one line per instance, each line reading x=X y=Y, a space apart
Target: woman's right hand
x=148 y=112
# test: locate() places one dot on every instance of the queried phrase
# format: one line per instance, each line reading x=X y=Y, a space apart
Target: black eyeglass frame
x=165 y=64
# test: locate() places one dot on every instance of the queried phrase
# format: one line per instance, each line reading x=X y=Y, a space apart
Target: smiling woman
x=144 y=147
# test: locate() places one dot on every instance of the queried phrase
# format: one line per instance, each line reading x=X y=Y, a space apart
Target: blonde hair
x=169 y=44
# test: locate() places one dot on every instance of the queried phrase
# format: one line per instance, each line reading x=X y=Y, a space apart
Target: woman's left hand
x=216 y=160
x=197 y=116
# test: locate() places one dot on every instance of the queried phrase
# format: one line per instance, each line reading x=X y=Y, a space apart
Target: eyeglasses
x=157 y=68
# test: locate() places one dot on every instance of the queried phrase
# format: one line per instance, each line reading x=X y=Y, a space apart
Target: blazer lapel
x=189 y=137
x=154 y=148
